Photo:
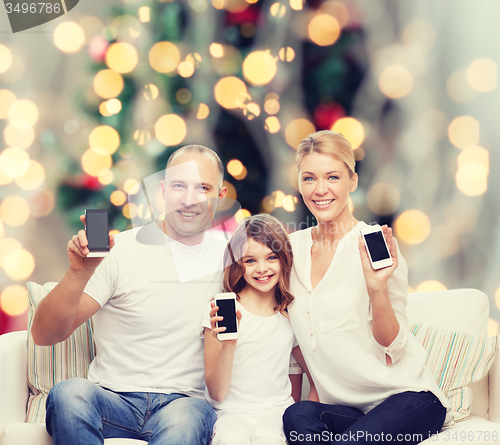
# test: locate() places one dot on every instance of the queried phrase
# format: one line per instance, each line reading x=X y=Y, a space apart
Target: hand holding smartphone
x=97 y=231
x=226 y=303
x=376 y=246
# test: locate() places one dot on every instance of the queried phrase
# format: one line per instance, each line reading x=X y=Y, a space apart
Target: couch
x=463 y=310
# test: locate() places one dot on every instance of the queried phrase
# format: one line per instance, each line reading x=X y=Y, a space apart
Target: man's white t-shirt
x=147 y=330
x=259 y=379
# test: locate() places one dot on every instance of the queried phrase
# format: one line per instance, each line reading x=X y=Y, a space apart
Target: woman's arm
x=385 y=324
x=219 y=357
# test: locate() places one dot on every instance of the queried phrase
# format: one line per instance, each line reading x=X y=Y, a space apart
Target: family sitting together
x=161 y=374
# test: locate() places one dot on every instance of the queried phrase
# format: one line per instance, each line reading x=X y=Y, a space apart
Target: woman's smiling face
x=325 y=185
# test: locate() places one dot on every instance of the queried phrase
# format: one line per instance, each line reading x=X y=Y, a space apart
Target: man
x=146 y=381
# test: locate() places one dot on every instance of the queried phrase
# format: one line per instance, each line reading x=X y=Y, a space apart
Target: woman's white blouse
x=333 y=326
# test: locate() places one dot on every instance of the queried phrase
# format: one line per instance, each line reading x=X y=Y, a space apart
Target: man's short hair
x=200 y=149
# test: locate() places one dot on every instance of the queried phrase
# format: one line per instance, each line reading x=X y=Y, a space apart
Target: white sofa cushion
x=21 y=433
x=49 y=365
x=463 y=310
x=456 y=359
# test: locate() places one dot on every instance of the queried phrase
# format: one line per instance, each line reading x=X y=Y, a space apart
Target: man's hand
x=77 y=252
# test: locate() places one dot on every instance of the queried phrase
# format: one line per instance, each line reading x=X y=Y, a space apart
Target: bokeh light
x=259 y=68
x=69 y=37
x=497 y=298
x=7 y=245
x=472 y=179
x=94 y=163
x=129 y=210
x=19 y=137
x=105 y=177
x=104 y=140
x=236 y=169
x=183 y=95
x=170 y=129
x=412 y=227
x=108 y=84
x=395 y=81
x=113 y=106
x=463 y=131
x=121 y=57
x=185 y=69
x=7 y=98
x=14 y=162
x=277 y=10
x=383 y=198
x=33 y=177
x=14 y=300
x=230 y=92
x=5 y=58
x=297 y=130
x=297 y=5
x=151 y=91
x=131 y=186
x=430 y=286
x=272 y=106
x=419 y=37
x=241 y=214
x=286 y=54
x=272 y=124
x=352 y=130
x=324 y=29
x=144 y=14
x=251 y=110
x=19 y=264
x=164 y=57
x=202 y=112
x=482 y=75
x=23 y=114
x=118 y=198
x=14 y=211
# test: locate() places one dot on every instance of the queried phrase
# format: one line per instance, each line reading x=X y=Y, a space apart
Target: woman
x=350 y=320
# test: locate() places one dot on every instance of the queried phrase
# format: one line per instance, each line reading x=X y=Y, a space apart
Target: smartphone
x=376 y=246
x=227 y=309
x=97 y=229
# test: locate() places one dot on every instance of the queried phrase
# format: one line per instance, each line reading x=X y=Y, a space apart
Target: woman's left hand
x=378 y=278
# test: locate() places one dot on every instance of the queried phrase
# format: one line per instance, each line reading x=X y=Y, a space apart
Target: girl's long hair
x=266 y=230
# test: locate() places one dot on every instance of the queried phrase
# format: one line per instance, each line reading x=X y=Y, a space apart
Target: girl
x=247 y=379
x=350 y=320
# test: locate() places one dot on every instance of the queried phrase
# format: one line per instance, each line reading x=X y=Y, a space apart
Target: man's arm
x=66 y=307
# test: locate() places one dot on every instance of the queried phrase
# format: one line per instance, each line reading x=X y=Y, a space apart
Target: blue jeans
x=81 y=412
x=405 y=418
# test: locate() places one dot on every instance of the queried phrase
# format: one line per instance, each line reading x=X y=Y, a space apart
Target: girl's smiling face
x=262 y=267
x=325 y=186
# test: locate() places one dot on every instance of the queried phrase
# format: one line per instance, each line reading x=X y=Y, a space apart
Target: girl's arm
x=313 y=394
x=219 y=357
x=385 y=324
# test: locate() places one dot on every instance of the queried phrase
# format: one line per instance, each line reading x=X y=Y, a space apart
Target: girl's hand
x=215 y=318
x=377 y=279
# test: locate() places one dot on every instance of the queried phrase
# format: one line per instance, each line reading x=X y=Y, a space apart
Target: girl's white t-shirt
x=260 y=368
x=333 y=325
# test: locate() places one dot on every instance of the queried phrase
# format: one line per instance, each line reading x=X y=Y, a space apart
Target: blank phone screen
x=96 y=222
x=227 y=309
x=376 y=246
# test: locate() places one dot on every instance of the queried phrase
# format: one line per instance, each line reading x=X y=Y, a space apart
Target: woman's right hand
x=77 y=252
x=214 y=318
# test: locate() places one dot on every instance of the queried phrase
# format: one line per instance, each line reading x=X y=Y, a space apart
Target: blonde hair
x=327 y=143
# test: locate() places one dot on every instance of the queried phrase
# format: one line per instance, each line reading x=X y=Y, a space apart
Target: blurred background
x=95 y=101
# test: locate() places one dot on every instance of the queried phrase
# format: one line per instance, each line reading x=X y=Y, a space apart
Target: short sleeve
x=294 y=367
x=398 y=295
x=102 y=284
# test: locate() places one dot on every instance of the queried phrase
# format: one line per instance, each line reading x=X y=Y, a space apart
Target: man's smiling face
x=191 y=191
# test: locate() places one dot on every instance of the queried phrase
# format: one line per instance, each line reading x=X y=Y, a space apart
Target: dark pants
x=405 y=418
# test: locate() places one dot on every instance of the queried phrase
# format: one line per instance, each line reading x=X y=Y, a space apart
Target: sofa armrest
x=494 y=386
x=13 y=383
